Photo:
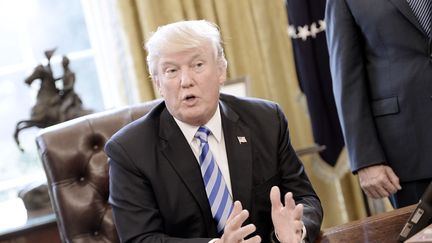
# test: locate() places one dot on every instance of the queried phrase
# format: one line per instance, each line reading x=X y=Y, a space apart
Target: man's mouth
x=189 y=97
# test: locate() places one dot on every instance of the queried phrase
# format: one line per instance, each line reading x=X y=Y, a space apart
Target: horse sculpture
x=53 y=105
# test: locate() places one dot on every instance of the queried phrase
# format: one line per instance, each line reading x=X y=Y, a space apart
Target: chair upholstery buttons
x=81 y=179
x=96 y=142
x=96 y=233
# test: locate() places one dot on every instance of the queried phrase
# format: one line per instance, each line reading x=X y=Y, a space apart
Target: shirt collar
x=214 y=125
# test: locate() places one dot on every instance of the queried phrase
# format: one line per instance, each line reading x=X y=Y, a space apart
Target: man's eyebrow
x=168 y=63
x=198 y=55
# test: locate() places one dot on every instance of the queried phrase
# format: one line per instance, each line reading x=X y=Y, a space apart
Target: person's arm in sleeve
x=135 y=209
x=294 y=180
x=348 y=54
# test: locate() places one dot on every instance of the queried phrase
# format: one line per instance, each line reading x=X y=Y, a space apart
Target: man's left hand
x=287 y=219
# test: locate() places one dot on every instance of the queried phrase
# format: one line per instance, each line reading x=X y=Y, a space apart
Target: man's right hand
x=234 y=232
x=378 y=181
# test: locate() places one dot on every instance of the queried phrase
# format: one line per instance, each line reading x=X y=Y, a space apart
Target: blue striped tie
x=217 y=192
x=423 y=11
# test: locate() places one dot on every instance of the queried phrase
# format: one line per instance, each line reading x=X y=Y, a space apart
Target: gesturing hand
x=286 y=219
x=234 y=232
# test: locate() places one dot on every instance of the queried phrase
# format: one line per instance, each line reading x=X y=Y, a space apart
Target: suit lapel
x=405 y=9
x=239 y=154
x=177 y=151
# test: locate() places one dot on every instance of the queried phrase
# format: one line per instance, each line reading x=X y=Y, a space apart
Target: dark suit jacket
x=381 y=64
x=156 y=188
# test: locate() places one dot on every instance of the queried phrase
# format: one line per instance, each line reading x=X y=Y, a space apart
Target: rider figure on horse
x=53 y=105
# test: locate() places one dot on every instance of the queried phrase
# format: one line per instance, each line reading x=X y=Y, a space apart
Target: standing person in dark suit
x=381 y=64
x=159 y=164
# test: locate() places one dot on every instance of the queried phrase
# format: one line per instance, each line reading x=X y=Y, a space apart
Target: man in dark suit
x=158 y=185
x=381 y=64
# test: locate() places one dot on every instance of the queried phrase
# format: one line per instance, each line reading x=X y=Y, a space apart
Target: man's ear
x=222 y=68
x=156 y=81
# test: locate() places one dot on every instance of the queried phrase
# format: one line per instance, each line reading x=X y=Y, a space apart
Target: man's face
x=189 y=81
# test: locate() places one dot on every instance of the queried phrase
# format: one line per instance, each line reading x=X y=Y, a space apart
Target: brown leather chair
x=77 y=172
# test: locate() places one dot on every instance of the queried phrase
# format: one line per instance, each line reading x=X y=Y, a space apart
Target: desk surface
x=382 y=228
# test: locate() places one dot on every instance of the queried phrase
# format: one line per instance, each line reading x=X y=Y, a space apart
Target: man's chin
x=195 y=118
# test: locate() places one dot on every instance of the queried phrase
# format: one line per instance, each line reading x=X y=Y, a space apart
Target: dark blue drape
x=305 y=18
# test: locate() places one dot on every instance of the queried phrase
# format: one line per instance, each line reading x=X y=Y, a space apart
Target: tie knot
x=202 y=134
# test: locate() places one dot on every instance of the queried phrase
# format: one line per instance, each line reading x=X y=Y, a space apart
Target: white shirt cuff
x=303 y=237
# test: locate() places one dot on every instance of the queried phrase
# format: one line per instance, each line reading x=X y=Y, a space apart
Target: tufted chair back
x=77 y=172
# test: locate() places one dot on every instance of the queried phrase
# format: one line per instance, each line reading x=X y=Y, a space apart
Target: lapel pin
x=241 y=139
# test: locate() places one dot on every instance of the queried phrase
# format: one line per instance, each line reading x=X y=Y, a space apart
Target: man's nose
x=186 y=78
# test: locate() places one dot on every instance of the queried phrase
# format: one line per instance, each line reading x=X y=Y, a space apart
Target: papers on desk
x=425 y=235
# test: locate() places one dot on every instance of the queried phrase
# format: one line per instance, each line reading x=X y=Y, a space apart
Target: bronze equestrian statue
x=53 y=105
